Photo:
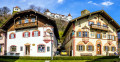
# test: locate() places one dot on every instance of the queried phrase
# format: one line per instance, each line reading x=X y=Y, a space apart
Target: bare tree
x=32 y=7
x=5 y=10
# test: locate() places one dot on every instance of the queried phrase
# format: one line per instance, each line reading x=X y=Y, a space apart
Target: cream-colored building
x=91 y=34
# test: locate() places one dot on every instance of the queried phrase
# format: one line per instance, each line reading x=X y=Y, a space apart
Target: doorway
x=98 y=49
x=27 y=49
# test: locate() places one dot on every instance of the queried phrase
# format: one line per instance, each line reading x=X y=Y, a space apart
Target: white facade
x=20 y=41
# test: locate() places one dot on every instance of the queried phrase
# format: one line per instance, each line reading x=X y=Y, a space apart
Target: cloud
x=91 y=2
x=107 y=3
x=60 y=1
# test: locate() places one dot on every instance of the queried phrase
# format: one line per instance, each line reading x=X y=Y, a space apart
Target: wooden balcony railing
x=25 y=25
x=99 y=27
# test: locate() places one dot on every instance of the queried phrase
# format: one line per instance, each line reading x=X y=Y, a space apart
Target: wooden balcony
x=99 y=27
x=26 y=25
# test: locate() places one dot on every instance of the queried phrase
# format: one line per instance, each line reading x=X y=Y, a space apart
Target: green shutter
x=92 y=48
x=77 y=47
x=83 y=47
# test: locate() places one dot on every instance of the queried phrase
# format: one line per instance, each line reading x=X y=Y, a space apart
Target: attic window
x=95 y=17
x=101 y=19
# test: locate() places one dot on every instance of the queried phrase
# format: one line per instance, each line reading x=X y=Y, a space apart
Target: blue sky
x=112 y=7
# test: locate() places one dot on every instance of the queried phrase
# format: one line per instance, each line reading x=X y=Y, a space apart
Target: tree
x=32 y=7
x=5 y=10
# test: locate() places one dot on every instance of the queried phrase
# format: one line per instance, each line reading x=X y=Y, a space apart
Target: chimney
x=84 y=12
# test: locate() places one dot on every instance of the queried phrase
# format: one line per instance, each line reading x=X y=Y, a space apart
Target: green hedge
x=60 y=58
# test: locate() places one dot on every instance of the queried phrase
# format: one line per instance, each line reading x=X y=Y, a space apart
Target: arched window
x=36 y=33
x=26 y=34
x=13 y=48
x=12 y=36
x=41 y=48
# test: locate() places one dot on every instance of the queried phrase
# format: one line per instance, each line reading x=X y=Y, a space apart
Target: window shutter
x=111 y=48
x=104 y=48
x=108 y=48
x=115 y=38
x=77 y=34
x=87 y=47
x=23 y=34
x=14 y=35
x=115 y=48
x=28 y=34
x=10 y=36
x=33 y=34
x=77 y=47
x=83 y=47
x=38 y=33
x=96 y=35
x=92 y=48
x=101 y=35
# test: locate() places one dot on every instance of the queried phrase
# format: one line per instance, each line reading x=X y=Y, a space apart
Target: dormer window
x=26 y=21
x=20 y=22
x=33 y=20
x=12 y=36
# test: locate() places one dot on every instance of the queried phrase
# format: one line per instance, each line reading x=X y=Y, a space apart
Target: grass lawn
x=21 y=60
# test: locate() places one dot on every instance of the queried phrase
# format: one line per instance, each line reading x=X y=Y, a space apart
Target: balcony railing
x=99 y=27
x=25 y=25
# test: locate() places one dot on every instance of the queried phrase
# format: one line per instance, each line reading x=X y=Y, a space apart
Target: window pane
x=79 y=34
x=12 y=36
x=26 y=34
x=98 y=23
x=98 y=35
x=89 y=48
x=13 y=48
x=26 y=21
x=48 y=48
x=80 y=48
x=35 y=33
x=41 y=48
x=33 y=19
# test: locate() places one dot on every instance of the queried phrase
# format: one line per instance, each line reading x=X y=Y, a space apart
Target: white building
x=58 y=16
x=27 y=34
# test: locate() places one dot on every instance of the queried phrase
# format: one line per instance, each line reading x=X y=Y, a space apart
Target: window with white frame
x=13 y=48
x=26 y=34
x=80 y=47
x=35 y=33
x=41 y=48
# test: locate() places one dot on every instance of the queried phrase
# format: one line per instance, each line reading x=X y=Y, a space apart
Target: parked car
x=63 y=53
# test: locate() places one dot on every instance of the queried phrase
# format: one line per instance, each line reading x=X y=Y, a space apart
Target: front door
x=98 y=49
x=27 y=49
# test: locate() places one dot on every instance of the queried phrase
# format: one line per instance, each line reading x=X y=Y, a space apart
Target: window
x=20 y=22
x=41 y=48
x=90 y=23
x=85 y=34
x=48 y=48
x=33 y=19
x=0 y=48
x=26 y=21
x=13 y=48
x=109 y=36
x=12 y=36
x=0 y=37
x=104 y=25
x=113 y=48
x=21 y=48
x=79 y=34
x=98 y=35
x=98 y=23
x=35 y=33
x=106 y=48
x=80 y=47
x=113 y=38
x=26 y=34
x=90 y=48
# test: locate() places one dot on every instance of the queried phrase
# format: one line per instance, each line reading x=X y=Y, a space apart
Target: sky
x=64 y=7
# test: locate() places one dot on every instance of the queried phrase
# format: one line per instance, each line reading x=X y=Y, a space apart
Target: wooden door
x=27 y=47
x=98 y=49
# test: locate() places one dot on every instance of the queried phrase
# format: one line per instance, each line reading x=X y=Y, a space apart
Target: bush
x=60 y=57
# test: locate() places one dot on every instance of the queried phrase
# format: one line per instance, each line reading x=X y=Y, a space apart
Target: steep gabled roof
x=48 y=20
x=101 y=12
